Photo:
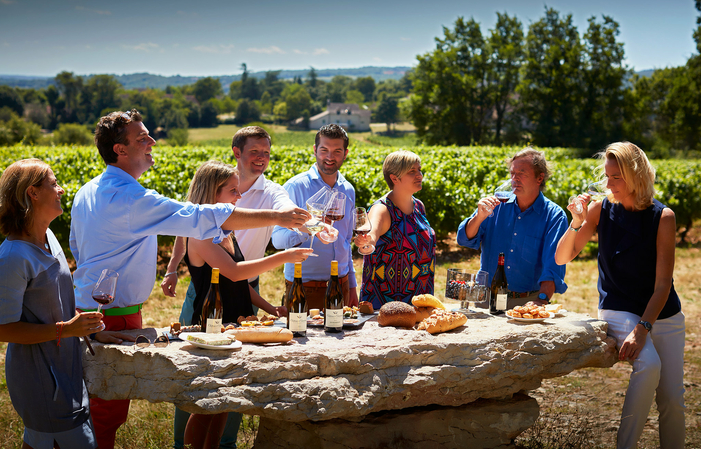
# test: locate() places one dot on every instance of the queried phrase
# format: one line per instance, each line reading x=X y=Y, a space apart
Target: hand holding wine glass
x=316 y=205
x=335 y=211
x=502 y=193
x=597 y=191
x=105 y=288
x=361 y=227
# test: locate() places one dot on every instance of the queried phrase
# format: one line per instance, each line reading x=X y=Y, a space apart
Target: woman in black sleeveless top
x=636 y=291
x=217 y=182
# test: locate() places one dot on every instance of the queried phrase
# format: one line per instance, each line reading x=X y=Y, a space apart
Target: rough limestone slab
x=485 y=423
x=355 y=373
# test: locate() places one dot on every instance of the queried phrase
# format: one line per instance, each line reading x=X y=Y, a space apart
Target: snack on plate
x=212 y=339
x=529 y=311
x=366 y=307
x=398 y=314
x=423 y=312
x=441 y=321
x=554 y=308
x=252 y=320
x=261 y=334
x=177 y=328
x=427 y=301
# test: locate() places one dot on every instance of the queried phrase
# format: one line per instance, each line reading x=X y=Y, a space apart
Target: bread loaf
x=427 y=301
x=442 y=321
x=398 y=314
x=366 y=307
x=261 y=334
x=423 y=312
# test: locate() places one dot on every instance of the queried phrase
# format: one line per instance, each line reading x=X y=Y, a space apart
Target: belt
x=118 y=311
x=521 y=294
x=323 y=284
x=254 y=284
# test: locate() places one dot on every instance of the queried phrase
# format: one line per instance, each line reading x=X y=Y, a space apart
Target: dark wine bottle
x=499 y=291
x=212 y=311
x=333 y=302
x=297 y=305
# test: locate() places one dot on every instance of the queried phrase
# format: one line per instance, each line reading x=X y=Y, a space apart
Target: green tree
x=247 y=112
x=99 y=96
x=249 y=85
x=366 y=86
x=178 y=137
x=70 y=88
x=452 y=98
x=297 y=100
x=354 y=97
x=11 y=99
x=551 y=87
x=206 y=89
x=603 y=109
x=387 y=111
x=311 y=77
x=208 y=115
x=72 y=134
x=506 y=58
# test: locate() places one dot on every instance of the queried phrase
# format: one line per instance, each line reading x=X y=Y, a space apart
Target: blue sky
x=200 y=38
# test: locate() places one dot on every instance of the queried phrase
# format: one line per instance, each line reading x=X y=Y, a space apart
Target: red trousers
x=107 y=416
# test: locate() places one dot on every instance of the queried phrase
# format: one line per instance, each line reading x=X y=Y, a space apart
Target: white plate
x=233 y=345
x=527 y=320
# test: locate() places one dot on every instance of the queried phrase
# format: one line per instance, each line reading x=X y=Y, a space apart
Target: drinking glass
x=503 y=192
x=596 y=190
x=362 y=226
x=479 y=290
x=316 y=205
x=103 y=292
x=335 y=211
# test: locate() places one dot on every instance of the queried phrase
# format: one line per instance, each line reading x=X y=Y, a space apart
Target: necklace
x=46 y=245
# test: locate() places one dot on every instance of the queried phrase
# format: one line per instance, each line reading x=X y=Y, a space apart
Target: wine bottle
x=212 y=311
x=333 y=302
x=297 y=305
x=499 y=293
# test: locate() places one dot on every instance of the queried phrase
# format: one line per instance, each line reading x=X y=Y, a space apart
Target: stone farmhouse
x=349 y=116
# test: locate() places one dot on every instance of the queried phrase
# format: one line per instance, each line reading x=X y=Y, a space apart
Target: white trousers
x=660 y=368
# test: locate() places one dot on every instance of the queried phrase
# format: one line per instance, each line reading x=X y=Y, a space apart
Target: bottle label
x=334 y=268
x=215 y=275
x=214 y=325
x=298 y=270
x=501 y=301
x=333 y=317
x=298 y=322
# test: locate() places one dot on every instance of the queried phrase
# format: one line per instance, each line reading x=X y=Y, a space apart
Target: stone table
x=372 y=387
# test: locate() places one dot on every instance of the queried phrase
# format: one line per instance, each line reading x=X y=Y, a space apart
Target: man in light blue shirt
x=114 y=224
x=330 y=151
x=526 y=229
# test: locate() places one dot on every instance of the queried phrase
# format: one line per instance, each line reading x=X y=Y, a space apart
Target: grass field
x=580 y=410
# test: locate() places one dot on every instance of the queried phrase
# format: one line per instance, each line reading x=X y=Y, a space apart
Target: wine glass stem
x=311 y=242
x=99 y=308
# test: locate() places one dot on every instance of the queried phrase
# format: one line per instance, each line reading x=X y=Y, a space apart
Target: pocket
x=532 y=247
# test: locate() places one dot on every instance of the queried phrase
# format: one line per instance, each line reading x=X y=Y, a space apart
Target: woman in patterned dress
x=404 y=259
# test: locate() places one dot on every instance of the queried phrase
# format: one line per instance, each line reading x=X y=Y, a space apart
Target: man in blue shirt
x=114 y=224
x=526 y=229
x=330 y=151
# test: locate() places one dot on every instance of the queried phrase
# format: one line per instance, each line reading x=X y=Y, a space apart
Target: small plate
x=527 y=320
x=234 y=344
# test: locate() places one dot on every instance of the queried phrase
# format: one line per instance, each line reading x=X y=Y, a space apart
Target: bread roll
x=398 y=314
x=423 y=312
x=366 y=307
x=261 y=334
x=442 y=321
x=427 y=301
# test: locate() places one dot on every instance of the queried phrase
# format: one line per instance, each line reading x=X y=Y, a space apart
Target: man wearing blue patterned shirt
x=526 y=229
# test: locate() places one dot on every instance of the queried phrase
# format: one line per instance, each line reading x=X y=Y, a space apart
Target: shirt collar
x=259 y=184
x=538 y=205
x=314 y=174
x=117 y=172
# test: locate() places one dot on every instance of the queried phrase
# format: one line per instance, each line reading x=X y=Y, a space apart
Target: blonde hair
x=540 y=165
x=16 y=212
x=208 y=181
x=636 y=171
x=397 y=164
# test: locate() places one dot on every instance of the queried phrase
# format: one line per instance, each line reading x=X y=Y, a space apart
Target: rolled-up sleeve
x=557 y=226
x=13 y=283
x=474 y=242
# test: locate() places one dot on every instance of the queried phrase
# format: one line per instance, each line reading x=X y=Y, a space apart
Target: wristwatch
x=543 y=297
x=646 y=325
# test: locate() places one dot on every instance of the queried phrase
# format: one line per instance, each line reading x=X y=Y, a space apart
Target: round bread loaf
x=366 y=307
x=398 y=314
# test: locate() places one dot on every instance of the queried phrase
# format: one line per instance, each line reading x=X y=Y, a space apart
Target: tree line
x=547 y=85
x=551 y=86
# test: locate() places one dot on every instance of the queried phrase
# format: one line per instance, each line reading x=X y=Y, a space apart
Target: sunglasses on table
x=142 y=341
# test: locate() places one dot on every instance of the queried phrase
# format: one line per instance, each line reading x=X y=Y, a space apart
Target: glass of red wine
x=503 y=192
x=103 y=292
x=335 y=211
x=362 y=226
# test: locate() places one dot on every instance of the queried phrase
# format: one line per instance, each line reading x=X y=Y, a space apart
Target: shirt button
x=512 y=250
x=515 y=233
x=508 y=267
x=519 y=217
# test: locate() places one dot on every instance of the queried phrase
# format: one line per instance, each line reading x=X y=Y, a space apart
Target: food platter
x=348 y=323
x=233 y=345
x=530 y=320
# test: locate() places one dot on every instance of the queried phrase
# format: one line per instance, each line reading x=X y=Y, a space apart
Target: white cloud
x=95 y=11
x=299 y=52
x=376 y=59
x=88 y=47
x=268 y=50
x=147 y=47
x=214 y=49
x=321 y=51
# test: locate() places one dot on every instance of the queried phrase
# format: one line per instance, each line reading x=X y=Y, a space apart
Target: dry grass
x=580 y=410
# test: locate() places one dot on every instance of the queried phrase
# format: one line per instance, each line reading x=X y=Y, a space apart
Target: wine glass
x=316 y=205
x=503 y=192
x=479 y=290
x=362 y=226
x=596 y=190
x=335 y=211
x=103 y=292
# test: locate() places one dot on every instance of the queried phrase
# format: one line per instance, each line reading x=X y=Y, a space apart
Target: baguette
x=260 y=334
x=427 y=300
x=442 y=321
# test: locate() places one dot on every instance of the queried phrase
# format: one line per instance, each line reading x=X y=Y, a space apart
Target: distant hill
x=147 y=80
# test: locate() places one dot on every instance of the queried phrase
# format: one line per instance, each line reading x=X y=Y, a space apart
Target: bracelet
x=59 y=332
x=170 y=272
x=576 y=229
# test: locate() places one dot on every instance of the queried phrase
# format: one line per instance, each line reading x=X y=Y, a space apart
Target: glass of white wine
x=316 y=205
x=596 y=190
